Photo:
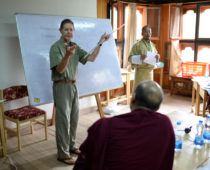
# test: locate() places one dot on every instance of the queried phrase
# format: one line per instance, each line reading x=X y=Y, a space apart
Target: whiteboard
x=36 y=35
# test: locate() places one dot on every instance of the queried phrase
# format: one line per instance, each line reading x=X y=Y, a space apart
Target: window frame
x=159 y=8
x=196 y=41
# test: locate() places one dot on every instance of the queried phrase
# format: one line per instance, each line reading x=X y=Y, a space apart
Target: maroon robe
x=140 y=140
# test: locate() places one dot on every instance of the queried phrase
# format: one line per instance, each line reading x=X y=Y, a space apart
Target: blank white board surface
x=36 y=35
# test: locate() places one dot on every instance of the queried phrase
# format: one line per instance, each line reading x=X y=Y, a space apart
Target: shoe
x=69 y=161
x=75 y=151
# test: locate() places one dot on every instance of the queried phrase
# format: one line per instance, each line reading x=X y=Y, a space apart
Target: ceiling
x=162 y=1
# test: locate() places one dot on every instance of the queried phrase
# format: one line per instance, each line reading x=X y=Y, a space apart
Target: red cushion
x=24 y=113
x=15 y=92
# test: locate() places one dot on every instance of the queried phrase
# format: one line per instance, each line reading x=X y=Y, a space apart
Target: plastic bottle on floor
x=198 y=142
x=178 y=135
x=206 y=132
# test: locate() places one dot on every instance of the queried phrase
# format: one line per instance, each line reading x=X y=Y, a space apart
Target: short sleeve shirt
x=57 y=53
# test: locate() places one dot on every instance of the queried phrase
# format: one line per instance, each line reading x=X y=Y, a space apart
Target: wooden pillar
x=102 y=8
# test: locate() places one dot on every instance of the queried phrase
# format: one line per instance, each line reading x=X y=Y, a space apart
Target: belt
x=65 y=81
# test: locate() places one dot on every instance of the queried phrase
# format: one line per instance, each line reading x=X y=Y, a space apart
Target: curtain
x=175 y=21
x=175 y=61
x=130 y=31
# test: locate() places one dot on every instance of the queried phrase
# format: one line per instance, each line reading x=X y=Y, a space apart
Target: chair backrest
x=15 y=92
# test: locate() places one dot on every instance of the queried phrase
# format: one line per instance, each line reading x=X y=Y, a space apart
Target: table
x=160 y=70
x=189 y=158
x=127 y=76
x=200 y=90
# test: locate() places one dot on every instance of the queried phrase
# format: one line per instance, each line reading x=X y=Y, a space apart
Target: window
x=144 y=15
x=139 y=22
x=134 y=19
x=187 y=52
x=115 y=20
x=188 y=31
x=153 y=20
x=126 y=21
x=204 y=53
x=195 y=39
x=119 y=17
x=204 y=26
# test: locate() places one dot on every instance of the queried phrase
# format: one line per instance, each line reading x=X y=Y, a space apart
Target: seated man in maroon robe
x=140 y=140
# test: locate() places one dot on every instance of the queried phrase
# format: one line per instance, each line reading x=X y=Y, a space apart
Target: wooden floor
x=38 y=154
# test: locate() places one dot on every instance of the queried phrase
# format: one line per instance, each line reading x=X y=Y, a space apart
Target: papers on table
x=150 y=59
x=204 y=82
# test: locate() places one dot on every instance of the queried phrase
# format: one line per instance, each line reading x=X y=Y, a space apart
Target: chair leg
x=193 y=97
x=2 y=138
x=5 y=130
x=204 y=105
x=31 y=126
x=5 y=134
x=18 y=135
x=45 y=126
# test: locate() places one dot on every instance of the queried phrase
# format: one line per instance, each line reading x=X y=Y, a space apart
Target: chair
x=23 y=114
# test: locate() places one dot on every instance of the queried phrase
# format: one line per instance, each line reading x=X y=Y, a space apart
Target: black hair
x=145 y=27
x=65 y=21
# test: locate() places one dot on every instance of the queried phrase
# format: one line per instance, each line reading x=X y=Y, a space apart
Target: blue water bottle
x=198 y=142
x=206 y=132
x=178 y=135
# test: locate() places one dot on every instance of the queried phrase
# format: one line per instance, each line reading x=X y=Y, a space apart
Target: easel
x=101 y=113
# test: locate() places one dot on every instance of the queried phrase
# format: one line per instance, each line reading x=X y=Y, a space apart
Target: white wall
x=11 y=66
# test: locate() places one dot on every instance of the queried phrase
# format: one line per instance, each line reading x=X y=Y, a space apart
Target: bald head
x=148 y=94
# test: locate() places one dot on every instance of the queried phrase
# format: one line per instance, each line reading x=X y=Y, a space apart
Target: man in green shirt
x=64 y=58
x=143 y=71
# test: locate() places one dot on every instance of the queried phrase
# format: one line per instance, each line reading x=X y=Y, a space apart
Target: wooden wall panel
x=164 y=39
x=120 y=21
x=102 y=8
